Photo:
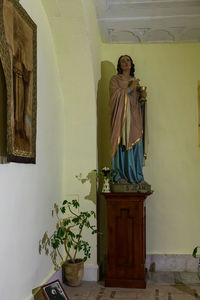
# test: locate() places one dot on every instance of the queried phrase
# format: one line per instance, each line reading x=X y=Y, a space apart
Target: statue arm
x=118 y=99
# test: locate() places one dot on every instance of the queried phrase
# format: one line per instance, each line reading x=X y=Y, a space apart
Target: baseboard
x=171 y=262
x=91 y=273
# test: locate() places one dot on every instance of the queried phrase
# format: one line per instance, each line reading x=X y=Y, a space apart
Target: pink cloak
x=126 y=117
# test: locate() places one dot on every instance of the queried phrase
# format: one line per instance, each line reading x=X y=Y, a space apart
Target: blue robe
x=129 y=163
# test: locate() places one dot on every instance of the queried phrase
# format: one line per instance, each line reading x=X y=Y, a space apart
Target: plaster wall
x=77 y=42
x=28 y=191
x=171 y=73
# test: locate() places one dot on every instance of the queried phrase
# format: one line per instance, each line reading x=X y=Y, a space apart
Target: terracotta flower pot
x=73 y=272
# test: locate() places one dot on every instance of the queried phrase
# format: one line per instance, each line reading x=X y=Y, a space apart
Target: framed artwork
x=18 y=58
x=54 y=290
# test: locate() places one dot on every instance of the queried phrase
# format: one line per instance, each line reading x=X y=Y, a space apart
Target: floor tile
x=161 y=277
x=190 y=278
x=182 y=297
x=160 y=286
x=119 y=295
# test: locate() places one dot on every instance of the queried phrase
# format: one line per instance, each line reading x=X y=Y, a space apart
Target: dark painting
x=18 y=57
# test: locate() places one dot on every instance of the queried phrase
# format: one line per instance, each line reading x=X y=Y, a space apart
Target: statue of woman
x=126 y=123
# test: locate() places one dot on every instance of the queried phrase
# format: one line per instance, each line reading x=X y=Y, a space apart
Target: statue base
x=126 y=244
x=131 y=188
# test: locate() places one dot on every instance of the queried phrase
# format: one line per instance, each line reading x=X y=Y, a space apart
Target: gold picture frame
x=18 y=54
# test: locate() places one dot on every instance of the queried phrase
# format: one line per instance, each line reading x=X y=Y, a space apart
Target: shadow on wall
x=104 y=157
x=91 y=178
x=103 y=115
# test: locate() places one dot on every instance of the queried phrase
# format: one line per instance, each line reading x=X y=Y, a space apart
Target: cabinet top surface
x=126 y=195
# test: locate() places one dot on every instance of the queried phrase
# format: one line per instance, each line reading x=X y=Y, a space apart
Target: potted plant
x=67 y=242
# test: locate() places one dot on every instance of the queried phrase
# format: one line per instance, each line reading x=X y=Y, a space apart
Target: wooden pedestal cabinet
x=126 y=239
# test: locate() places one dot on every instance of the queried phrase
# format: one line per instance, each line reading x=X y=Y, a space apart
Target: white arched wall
x=29 y=191
x=67 y=76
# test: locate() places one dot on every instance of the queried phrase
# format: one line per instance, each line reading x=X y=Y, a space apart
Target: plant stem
x=60 y=255
x=72 y=211
x=68 y=254
x=78 y=242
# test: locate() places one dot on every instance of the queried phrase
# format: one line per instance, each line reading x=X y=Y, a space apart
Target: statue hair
x=132 y=70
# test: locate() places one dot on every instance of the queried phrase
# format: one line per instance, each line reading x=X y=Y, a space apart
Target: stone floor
x=160 y=286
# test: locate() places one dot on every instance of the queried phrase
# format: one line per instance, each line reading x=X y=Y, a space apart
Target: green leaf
x=76 y=220
x=75 y=203
x=195 y=252
x=55 y=243
x=70 y=233
x=79 y=246
x=78 y=236
x=65 y=202
x=67 y=222
x=69 y=244
x=61 y=232
x=87 y=224
x=93 y=213
x=86 y=214
x=63 y=209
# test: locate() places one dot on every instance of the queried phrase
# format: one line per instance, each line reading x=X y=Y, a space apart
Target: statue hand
x=143 y=94
x=134 y=84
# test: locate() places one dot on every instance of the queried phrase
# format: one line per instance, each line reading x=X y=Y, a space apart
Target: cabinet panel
x=126 y=240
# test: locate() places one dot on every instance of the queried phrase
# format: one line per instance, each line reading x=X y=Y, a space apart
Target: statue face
x=125 y=63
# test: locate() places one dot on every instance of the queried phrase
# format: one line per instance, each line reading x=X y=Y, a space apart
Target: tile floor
x=160 y=286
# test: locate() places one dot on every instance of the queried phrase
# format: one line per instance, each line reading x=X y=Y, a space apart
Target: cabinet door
x=125 y=239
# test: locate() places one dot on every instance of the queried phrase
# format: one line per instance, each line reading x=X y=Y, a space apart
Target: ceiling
x=149 y=21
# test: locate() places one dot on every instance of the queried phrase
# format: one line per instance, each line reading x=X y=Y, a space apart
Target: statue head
x=132 y=70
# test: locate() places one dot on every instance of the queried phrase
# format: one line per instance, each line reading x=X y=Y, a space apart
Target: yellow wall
x=171 y=73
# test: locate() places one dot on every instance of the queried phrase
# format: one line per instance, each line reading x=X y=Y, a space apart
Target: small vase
x=106 y=185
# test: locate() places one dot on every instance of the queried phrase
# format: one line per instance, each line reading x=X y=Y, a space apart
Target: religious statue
x=126 y=100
